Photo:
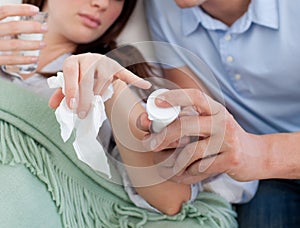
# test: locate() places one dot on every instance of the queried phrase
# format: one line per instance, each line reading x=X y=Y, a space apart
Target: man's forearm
x=282 y=158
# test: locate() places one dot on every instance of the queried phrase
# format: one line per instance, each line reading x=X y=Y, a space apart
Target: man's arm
x=241 y=155
x=282 y=156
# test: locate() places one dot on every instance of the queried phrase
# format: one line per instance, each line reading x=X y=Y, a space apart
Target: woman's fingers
x=11 y=26
x=56 y=98
x=21 y=27
x=9 y=45
x=79 y=83
x=108 y=69
x=90 y=74
x=13 y=59
x=71 y=75
x=10 y=23
x=17 y=10
x=87 y=73
x=130 y=78
x=10 y=51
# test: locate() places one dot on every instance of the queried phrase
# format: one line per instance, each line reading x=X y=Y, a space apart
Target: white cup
x=160 y=117
x=25 y=68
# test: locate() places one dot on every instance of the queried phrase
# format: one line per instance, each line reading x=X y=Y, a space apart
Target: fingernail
x=34 y=9
x=73 y=103
x=147 y=84
x=82 y=115
x=160 y=99
x=143 y=84
x=44 y=27
x=34 y=59
x=42 y=44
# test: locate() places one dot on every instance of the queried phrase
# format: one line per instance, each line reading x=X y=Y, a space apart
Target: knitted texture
x=29 y=136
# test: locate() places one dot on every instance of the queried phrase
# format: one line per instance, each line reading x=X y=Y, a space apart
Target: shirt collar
x=56 y=64
x=264 y=13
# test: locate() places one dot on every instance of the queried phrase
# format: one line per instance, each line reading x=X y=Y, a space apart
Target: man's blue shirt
x=256 y=61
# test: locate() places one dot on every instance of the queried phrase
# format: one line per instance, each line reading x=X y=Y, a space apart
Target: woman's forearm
x=123 y=110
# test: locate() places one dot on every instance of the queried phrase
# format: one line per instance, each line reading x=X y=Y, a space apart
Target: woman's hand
x=9 y=29
x=87 y=75
x=221 y=145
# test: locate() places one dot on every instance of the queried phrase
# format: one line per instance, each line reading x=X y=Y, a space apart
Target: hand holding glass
x=26 y=68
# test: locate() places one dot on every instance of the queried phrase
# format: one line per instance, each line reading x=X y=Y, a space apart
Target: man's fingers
x=165 y=158
x=180 y=142
x=185 y=178
x=212 y=165
x=184 y=126
x=194 y=172
x=192 y=152
x=189 y=97
x=203 y=150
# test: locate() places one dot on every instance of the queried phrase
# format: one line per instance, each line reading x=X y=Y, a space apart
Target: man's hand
x=221 y=145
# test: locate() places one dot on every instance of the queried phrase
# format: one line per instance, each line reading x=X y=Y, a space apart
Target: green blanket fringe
x=83 y=198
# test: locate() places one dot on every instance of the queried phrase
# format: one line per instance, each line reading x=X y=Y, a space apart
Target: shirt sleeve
x=233 y=191
x=138 y=200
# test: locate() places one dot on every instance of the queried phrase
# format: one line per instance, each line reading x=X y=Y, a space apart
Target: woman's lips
x=90 y=21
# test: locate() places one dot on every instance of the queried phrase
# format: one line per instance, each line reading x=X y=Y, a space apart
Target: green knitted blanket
x=43 y=184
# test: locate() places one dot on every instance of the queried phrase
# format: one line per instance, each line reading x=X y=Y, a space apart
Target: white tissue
x=86 y=146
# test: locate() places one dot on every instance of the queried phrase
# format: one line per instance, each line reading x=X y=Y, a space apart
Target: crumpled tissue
x=87 y=147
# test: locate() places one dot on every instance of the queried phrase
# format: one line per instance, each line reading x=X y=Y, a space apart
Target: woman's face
x=82 y=21
x=189 y=3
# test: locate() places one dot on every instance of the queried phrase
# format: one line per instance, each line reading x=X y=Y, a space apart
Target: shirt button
x=229 y=59
x=237 y=77
x=227 y=37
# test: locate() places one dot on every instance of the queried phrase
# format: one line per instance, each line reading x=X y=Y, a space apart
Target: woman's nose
x=101 y=4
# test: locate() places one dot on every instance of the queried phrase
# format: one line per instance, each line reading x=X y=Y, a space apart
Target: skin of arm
x=244 y=156
x=166 y=196
x=282 y=157
x=184 y=78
